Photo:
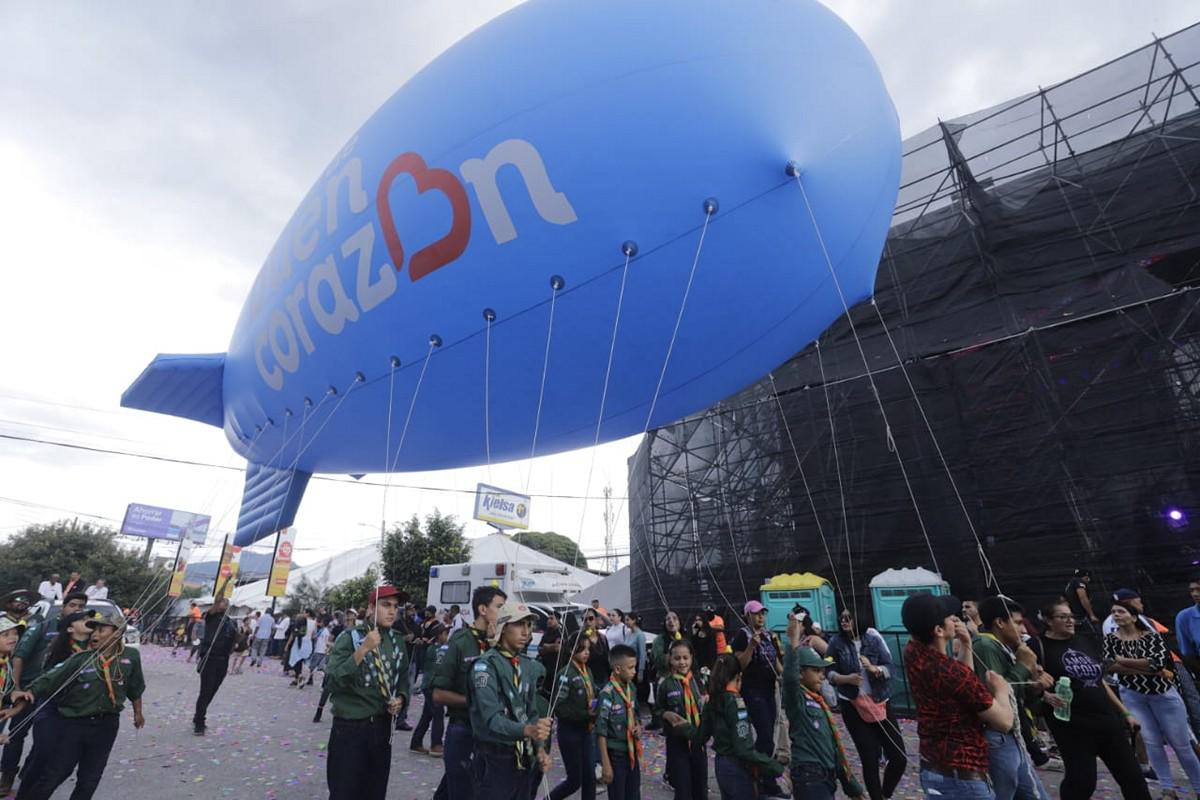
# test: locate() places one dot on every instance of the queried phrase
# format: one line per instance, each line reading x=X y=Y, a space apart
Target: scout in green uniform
x=618 y=732
x=368 y=682
x=575 y=709
x=509 y=734
x=452 y=687
x=660 y=654
x=89 y=689
x=26 y=667
x=431 y=712
x=679 y=704
x=818 y=759
x=727 y=721
x=1000 y=648
x=10 y=634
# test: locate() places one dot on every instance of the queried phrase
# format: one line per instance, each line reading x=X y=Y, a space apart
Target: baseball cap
x=1125 y=594
x=436 y=629
x=808 y=657
x=386 y=590
x=753 y=607
x=921 y=613
x=17 y=594
x=67 y=620
x=8 y=623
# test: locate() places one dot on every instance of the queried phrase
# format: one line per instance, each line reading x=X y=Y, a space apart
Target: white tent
x=325 y=574
x=612 y=592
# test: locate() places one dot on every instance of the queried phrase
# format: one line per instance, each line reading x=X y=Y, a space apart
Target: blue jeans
x=1011 y=771
x=578 y=759
x=761 y=705
x=463 y=771
x=734 y=779
x=1164 y=721
x=935 y=784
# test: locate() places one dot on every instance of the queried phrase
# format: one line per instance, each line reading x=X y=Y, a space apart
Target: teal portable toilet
x=784 y=592
x=889 y=590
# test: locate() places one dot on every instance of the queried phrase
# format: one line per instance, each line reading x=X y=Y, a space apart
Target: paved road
x=263 y=745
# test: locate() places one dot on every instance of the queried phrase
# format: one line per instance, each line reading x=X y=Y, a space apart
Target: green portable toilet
x=784 y=592
x=889 y=590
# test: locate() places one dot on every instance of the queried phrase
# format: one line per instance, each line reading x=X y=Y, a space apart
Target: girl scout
x=727 y=721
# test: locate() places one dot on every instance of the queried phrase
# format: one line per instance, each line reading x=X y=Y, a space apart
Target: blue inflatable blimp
x=577 y=205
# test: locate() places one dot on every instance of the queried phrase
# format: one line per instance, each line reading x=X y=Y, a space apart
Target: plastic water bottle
x=1063 y=691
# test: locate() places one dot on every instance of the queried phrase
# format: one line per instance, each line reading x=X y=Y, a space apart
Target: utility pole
x=610 y=522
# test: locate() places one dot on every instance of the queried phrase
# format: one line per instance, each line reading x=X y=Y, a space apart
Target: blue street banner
x=153 y=522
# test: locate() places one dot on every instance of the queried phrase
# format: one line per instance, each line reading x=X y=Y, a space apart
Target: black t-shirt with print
x=1079 y=659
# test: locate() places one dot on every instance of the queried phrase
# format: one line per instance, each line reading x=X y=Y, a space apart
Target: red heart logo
x=444 y=250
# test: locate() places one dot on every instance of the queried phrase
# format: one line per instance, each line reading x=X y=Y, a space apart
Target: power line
x=232 y=468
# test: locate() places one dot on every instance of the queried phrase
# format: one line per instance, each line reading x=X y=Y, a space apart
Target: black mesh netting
x=1038 y=285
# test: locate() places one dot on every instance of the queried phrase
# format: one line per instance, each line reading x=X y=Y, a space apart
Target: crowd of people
x=998 y=692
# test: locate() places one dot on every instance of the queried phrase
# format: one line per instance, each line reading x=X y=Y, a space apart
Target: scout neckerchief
x=105 y=670
x=589 y=691
x=524 y=746
x=481 y=639
x=837 y=736
x=691 y=709
x=383 y=671
x=5 y=677
x=634 y=745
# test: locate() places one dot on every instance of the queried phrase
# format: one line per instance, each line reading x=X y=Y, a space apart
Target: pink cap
x=753 y=607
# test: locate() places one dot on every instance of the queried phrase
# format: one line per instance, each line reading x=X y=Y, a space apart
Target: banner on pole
x=501 y=508
x=181 y=564
x=227 y=572
x=281 y=565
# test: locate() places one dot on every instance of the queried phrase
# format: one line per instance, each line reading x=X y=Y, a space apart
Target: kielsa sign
x=153 y=522
x=501 y=508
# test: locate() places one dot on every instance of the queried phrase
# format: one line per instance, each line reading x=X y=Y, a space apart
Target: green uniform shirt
x=32 y=651
x=660 y=653
x=811 y=735
x=727 y=721
x=503 y=696
x=434 y=654
x=572 y=704
x=612 y=721
x=359 y=691
x=990 y=654
x=453 y=674
x=669 y=697
x=86 y=693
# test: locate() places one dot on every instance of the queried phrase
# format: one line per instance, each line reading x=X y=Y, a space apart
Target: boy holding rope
x=368 y=682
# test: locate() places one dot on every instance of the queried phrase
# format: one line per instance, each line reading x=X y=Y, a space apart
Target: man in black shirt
x=549 y=648
x=1081 y=602
x=758 y=651
x=220 y=633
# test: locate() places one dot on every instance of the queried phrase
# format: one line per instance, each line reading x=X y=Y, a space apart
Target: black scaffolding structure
x=1022 y=396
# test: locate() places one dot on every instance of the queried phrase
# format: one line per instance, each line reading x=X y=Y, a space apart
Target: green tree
x=409 y=550
x=352 y=593
x=554 y=545
x=39 y=550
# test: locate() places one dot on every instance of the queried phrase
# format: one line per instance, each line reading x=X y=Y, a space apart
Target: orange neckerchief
x=691 y=708
x=634 y=744
x=4 y=675
x=105 y=663
x=837 y=736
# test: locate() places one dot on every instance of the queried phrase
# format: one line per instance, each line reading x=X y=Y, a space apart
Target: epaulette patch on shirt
x=481 y=674
x=743 y=729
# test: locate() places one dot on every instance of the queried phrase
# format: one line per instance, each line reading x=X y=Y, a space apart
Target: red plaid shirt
x=948 y=696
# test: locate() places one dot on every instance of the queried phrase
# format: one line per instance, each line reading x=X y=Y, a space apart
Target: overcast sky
x=150 y=154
